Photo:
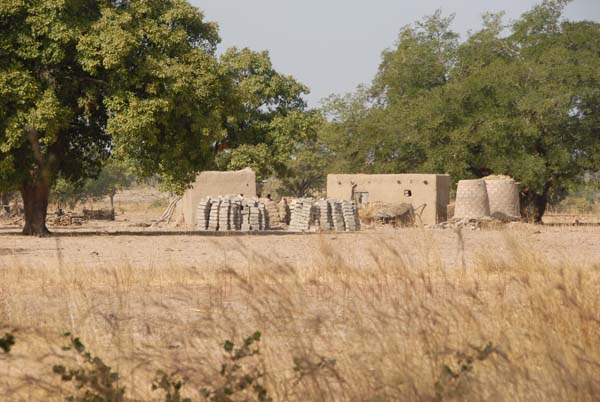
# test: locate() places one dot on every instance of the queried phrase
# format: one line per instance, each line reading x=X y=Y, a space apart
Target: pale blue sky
x=334 y=45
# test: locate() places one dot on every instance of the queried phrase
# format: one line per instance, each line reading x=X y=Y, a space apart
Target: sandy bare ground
x=150 y=248
x=128 y=240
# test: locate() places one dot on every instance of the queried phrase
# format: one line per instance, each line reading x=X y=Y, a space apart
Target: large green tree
x=527 y=105
x=520 y=99
x=265 y=117
x=83 y=79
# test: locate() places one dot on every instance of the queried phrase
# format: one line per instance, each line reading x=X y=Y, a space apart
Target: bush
x=240 y=377
x=7 y=342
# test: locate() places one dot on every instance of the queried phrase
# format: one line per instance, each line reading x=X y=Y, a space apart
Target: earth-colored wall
x=429 y=190
x=215 y=184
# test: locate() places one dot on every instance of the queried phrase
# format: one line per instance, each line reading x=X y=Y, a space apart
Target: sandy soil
x=92 y=246
x=129 y=240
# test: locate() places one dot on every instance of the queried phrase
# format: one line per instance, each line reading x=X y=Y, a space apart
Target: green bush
x=241 y=377
x=7 y=342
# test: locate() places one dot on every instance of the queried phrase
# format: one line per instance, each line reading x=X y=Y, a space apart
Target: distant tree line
x=521 y=99
x=113 y=177
x=85 y=84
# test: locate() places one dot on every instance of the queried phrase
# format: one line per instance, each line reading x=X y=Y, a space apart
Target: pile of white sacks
x=325 y=215
x=232 y=213
x=236 y=213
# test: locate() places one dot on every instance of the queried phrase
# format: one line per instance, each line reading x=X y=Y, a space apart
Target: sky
x=332 y=46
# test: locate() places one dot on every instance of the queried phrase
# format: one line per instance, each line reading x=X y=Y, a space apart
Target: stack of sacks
x=325 y=215
x=213 y=220
x=235 y=214
x=224 y=210
x=245 y=215
x=203 y=213
x=300 y=220
x=272 y=213
x=254 y=217
x=350 y=214
x=337 y=216
x=285 y=212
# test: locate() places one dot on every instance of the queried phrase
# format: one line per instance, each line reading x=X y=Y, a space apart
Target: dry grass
x=393 y=330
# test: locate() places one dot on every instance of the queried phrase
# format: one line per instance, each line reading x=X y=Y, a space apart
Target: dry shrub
x=505 y=327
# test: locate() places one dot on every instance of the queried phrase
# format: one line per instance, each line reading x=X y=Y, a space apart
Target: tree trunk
x=35 y=202
x=111 y=195
x=533 y=206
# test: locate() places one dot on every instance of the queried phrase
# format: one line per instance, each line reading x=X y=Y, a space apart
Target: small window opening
x=407 y=193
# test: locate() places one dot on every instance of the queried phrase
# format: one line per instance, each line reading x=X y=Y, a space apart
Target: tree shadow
x=14 y=231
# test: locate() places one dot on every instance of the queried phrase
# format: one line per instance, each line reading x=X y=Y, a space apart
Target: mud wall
x=215 y=184
x=429 y=194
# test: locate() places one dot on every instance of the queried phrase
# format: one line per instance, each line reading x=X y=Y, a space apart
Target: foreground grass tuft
x=507 y=326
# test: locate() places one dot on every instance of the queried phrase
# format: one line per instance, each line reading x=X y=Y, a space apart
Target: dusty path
x=200 y=250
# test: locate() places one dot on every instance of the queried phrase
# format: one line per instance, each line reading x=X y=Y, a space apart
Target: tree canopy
x=135 y=80
x=81 y=80
x=265 y=116
x=520 y=99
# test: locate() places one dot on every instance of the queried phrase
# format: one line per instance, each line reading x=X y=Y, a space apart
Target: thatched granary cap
x=498 y=177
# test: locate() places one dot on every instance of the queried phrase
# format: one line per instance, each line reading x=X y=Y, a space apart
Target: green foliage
x=171 y=385
x=583 y=197
x=67 y=192
x=257 y=95
x=346 y=135
x=265 y=116
x=307 y=171
x=81 y=80
x=420 y=62
x=576 y=204
x=240 y=375
x=526 y=104
x=93 y=380
x=7 y=342
x=114 y=177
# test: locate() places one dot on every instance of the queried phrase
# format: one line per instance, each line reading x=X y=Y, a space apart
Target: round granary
x=503 y=196
x=471 y=199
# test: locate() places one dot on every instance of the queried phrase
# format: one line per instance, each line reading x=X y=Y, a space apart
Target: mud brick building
x=429 y=194
x=214 y=184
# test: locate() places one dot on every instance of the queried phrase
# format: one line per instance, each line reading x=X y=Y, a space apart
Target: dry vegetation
x=402 y=329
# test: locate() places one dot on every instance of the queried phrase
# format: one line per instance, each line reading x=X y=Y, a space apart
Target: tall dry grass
x=402 y=330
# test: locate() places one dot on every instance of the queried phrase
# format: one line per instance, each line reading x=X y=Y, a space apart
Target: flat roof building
x=214 y=184
x=429 y=194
